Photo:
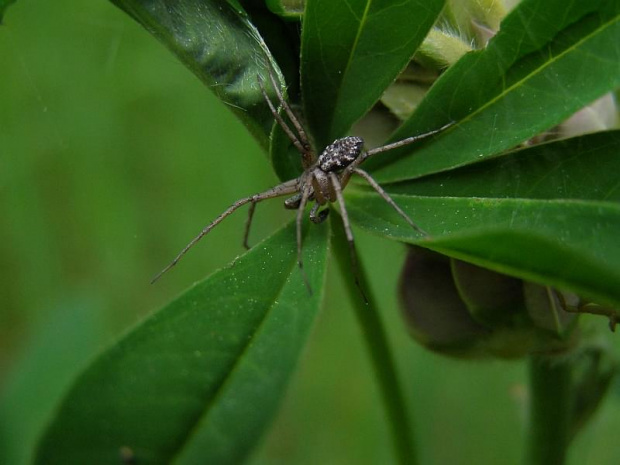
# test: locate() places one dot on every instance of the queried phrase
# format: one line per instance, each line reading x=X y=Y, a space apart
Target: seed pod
x=434 y=313
x=463 y=310
x=493 y=299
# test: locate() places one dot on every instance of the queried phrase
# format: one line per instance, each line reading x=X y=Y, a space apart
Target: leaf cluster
x=199 y=381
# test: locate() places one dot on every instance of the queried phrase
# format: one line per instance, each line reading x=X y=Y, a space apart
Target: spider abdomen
x=340 y=154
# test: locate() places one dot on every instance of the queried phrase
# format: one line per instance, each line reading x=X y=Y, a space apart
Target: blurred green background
x=112 y=156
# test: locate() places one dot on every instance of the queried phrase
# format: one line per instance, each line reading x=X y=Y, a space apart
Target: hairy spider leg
x=384 y=148
x=292 y=203
x=298 y=145
x=313 y=212
x=375 y=185
x=248 y=223
x=286 y=188
x=303 y=137
x=348 y=231
x=305 y=194
x=317 y=216
x=403 y=142
x=302 y=144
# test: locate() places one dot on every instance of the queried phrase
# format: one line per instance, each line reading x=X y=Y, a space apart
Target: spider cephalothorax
x=322 y=181
x=334 y=159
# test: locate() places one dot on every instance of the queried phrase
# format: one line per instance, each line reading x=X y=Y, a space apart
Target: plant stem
x=550 y=410
x=377 y=343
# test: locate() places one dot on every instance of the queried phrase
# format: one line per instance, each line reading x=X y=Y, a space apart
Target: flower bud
x=463 y=310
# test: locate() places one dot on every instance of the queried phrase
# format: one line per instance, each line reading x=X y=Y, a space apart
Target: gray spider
x=322 y=181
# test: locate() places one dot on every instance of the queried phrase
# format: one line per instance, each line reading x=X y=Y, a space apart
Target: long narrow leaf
x=549 y=213
x=199 y=381
x=583 y=168
x=567 y=243
x=4 y=4
x=217 y=42
x=545 y=63
x=351 y=51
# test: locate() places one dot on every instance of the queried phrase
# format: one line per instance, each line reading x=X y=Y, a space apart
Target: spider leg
x=375 y=185
x=303 y=137
x=292 y=203
x=317 y=216
x=298 y=145
x=348 y=231
x=400 y=143
x=286 y=188
x=248 y=223
x=305 y=193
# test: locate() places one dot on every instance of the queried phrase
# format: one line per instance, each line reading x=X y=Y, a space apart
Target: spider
x=322 y=182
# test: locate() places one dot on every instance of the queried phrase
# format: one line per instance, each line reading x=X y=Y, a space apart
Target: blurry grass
x=112 y=156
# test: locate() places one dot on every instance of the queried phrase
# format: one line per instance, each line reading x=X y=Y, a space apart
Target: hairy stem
x=377 y=343
x=550 y=410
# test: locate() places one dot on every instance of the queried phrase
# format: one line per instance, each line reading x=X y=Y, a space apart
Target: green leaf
x=583 y=167
x=283 y=41
x=565 y=243
x=4 y=4
x=543 y=214
x=217 y=41
x=543 y=65
x=199 y=381
x=289 y=9
x=351 y=51
x=58 y=345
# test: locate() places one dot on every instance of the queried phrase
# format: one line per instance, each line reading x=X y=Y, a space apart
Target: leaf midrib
x=506 y=92
x=539 y=69
x=221 y=389
x=346 y=69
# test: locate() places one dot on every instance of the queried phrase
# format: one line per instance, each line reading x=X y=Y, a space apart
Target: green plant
x=199 y=381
